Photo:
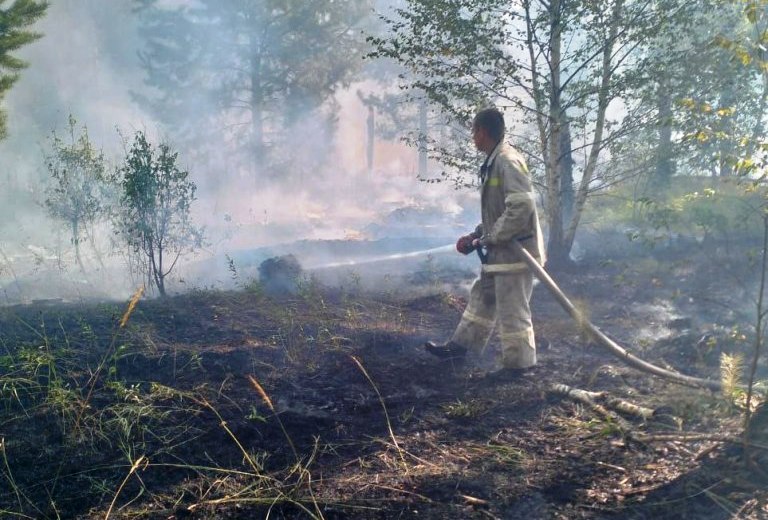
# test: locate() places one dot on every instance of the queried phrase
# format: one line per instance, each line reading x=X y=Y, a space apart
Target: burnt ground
x=239 y=405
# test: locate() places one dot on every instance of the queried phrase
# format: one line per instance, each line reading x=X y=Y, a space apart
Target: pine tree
x=14 y=34
x=246 y=70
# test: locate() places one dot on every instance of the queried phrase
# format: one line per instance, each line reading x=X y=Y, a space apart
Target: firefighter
x=501 y=295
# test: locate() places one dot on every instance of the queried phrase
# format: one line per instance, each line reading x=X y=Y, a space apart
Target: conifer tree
x=246 y=70
x=15 y=21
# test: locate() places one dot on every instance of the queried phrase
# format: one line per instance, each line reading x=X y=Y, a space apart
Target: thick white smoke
x=87 y=65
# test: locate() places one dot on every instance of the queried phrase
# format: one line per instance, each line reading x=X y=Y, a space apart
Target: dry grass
x=200 y=434
x=386 y=414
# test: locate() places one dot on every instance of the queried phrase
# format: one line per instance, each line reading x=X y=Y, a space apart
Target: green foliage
x=721 y=92
x=14 y=22
x=79 y=193
x=749 y=160
x=700 y=98
x=558 y=64
x=447 y=51
x=35 y=375
x=465 y=410
x=731 y=372
x=692 y=207
x=253 y=286
x=155 y=200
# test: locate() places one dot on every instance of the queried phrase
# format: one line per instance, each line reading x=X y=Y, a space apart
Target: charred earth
x=319 y=403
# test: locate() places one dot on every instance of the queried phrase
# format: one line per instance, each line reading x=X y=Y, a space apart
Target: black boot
x=446 y=350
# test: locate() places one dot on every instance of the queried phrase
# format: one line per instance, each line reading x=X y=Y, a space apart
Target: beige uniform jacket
x=508 y=212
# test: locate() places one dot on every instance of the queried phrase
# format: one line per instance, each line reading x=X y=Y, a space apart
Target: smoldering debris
x=280 y=275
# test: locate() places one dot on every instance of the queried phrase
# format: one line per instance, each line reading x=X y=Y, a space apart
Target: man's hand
x=466 y=244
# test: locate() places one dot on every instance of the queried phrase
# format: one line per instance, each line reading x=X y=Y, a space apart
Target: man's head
x=488 y=129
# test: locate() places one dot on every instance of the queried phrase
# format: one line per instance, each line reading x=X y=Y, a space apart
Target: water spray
x=599 y=336
x=397 y=256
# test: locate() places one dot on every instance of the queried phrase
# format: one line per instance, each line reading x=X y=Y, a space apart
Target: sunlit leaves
x=688 y=103
x=726 y=112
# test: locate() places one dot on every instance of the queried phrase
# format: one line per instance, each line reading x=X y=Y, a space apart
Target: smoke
x=87 y=65
x=84 y=65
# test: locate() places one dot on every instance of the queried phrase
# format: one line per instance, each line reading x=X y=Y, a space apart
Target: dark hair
x=492 y=120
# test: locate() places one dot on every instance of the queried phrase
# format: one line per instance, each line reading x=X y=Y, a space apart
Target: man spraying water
x=502 y=293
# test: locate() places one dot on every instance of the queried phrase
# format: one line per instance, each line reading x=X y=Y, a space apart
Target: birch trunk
x=556 y=251
x=597 y=142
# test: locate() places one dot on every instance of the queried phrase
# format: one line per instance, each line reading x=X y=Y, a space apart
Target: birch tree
x=707 y=101
x=561 y=67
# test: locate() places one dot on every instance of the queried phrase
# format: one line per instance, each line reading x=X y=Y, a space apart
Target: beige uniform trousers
x=502 y=298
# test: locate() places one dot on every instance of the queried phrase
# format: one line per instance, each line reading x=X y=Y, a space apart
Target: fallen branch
x=703 y=453
x=613 y=402
x=474 y=501
x=688 y=437
x=591 y=399
x=611 y=466
x=600 y=337
x=629 y=408
x=586 y=398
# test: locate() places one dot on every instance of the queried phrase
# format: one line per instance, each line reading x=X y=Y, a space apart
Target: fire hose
x=599 y=336
x=465 y=245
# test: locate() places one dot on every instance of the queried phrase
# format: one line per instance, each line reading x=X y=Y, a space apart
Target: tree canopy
x=585 y=83
x=247 y=70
